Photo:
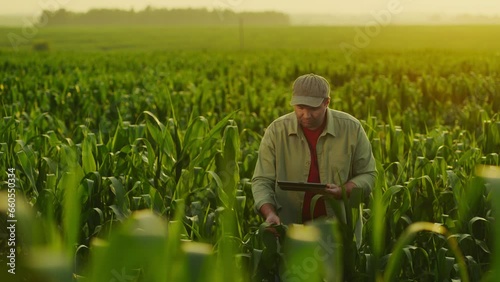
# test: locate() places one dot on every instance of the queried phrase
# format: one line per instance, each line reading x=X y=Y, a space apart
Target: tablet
x=302 y=186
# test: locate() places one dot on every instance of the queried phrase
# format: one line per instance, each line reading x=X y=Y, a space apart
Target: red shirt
x=312 y=137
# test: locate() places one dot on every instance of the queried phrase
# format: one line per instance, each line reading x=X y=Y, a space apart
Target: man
x=312 y=144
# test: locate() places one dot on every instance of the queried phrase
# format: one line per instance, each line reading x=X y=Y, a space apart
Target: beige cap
x=310 y=90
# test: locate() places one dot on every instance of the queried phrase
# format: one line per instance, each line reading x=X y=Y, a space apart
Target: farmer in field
x=312 y=144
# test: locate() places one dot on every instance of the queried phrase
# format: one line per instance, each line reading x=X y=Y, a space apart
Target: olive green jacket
x=344 y=154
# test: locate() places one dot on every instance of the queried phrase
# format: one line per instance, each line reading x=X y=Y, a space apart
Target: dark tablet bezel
x=302 y=186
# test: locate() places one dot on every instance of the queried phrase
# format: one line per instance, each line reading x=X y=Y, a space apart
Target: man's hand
x=335 y=191
x=273 y=219
x=269 y=213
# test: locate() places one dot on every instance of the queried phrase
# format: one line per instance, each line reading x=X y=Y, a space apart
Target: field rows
x=138 y=163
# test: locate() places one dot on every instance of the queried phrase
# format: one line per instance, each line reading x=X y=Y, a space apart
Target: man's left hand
x=335 y=191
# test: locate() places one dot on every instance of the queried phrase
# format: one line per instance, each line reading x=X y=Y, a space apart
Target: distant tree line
x=155 y=16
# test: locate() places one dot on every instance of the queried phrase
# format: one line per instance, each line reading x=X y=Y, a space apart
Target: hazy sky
x=289 y=6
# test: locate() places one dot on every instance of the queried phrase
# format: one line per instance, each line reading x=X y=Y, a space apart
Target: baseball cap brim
x=307 y=100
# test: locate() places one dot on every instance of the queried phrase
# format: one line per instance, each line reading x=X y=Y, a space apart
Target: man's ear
x=327 y=101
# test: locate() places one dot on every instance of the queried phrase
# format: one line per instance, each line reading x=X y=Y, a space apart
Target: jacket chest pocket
x=339 y=167
x=293 y=161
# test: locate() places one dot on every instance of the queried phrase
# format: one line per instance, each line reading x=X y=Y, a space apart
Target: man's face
x=311 y=117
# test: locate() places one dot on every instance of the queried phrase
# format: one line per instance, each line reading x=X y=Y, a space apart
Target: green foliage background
x=111 y=121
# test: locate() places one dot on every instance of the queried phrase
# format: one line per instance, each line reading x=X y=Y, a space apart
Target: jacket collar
x=329 y=128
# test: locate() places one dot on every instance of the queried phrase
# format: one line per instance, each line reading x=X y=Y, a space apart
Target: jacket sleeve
x=363 y=167
x=264 y=177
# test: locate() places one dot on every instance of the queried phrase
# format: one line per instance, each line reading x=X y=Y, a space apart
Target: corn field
x=136 y=166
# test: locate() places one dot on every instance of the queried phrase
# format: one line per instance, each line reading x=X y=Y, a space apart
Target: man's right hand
x=269 y=213
x=272 y=218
